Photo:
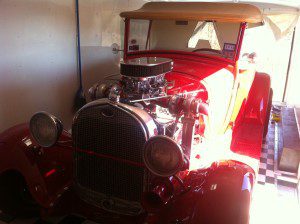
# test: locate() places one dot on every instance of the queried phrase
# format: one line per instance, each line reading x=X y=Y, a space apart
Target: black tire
x=266 y=125
x=15 y=198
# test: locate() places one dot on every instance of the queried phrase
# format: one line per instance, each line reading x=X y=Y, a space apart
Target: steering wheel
x=208 y=49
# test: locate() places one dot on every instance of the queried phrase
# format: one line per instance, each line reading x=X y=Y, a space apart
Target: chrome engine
x=141 y=78
x=143 y=88
x=142 y=84
x=111 y=132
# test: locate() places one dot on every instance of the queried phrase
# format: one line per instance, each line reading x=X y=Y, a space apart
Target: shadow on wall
x=98 y=62
x=38 y=60
x=100 y=27
x=20 y=101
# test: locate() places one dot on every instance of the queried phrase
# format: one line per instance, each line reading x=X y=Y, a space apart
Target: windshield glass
x=204 y=37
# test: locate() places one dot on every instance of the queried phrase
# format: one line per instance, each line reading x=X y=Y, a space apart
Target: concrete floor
x=274 y=201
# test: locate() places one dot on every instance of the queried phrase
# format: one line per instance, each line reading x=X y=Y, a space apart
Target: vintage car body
x=214 y=183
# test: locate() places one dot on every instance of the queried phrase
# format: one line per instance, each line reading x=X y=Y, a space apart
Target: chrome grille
x=108 y=153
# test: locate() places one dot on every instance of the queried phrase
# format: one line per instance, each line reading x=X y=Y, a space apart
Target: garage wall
x=38 y=69
x=101 y=26
x=38 y=59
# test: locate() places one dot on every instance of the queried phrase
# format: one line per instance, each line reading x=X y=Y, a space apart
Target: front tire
x=15 y=198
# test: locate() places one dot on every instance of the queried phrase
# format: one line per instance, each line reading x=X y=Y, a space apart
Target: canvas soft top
x=223 y=12
x=216 y=11
x=281 y=18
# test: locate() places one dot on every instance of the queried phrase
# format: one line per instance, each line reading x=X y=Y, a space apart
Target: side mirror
x=115 y=48
x=250 y=57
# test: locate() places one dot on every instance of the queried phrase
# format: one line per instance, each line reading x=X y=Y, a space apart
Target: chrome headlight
x=163 y=156
x=45 y=129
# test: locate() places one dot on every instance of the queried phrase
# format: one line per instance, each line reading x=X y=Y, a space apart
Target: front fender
x=218 y=195
x=226 y=195
x=257 y=101
x=248 y=128
x=47 y=171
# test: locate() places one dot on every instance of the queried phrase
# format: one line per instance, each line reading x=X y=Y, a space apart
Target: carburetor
x=141 y=78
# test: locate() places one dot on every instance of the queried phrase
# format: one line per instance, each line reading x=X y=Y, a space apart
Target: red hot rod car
x=175 y=138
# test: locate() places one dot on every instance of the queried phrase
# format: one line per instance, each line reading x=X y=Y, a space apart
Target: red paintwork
x=248 y=132
x=47 y=171
x=211 y=198
x=240 y=41
x=111 y=157
x=191 y=55
x=212 y=195
x=189 y=69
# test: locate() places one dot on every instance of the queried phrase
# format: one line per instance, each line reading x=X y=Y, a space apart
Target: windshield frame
x=243 y=26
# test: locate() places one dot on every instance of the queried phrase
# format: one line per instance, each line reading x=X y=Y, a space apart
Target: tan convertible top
x=216 y=11
x=223 y=12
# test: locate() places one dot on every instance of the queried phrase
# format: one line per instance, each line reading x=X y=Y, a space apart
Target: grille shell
x=108 y=141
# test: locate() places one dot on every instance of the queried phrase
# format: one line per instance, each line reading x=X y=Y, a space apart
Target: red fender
x=248 y=129
x=226 y=196
x=221 y=194
x=47 y=171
